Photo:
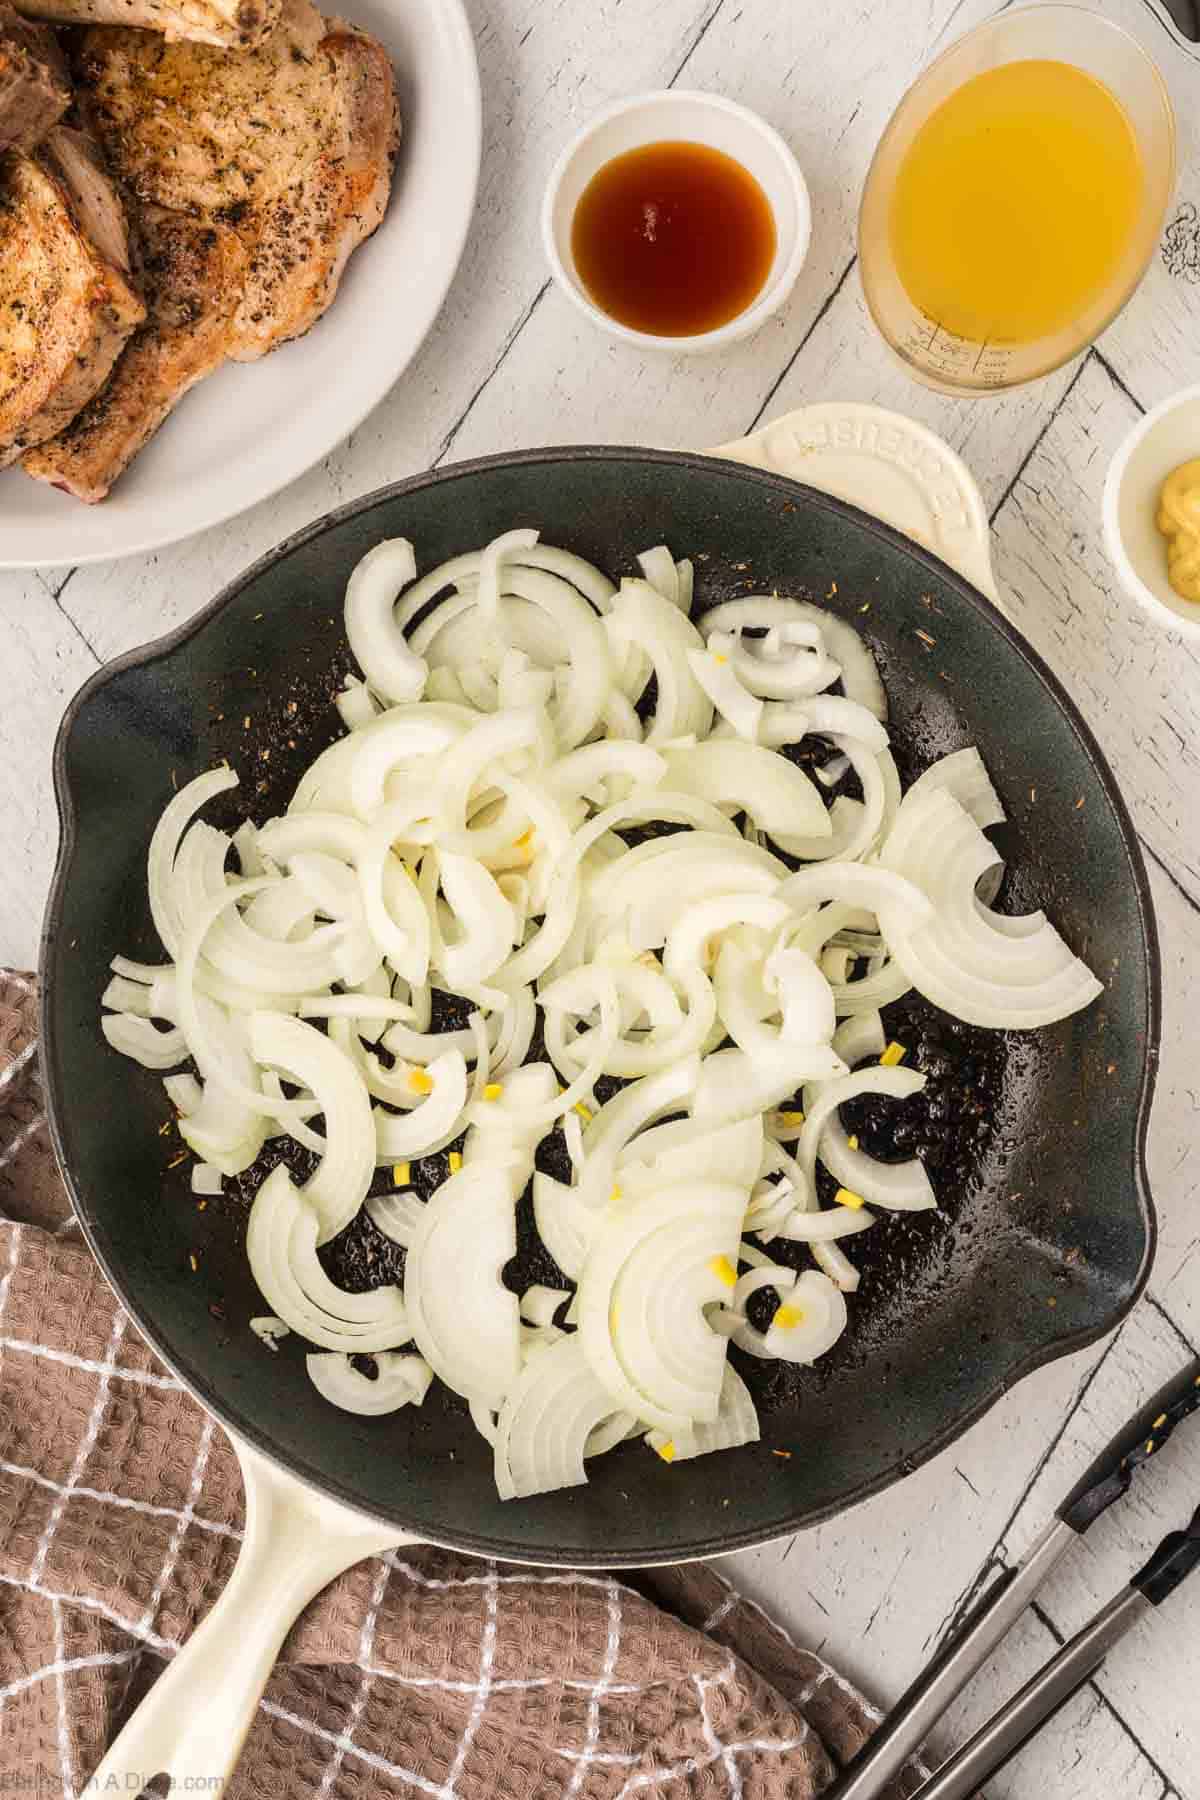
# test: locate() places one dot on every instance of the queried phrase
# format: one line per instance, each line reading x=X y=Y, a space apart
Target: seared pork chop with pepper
x=67 y=306
x=192 y=276
x=34 y=89
x=286 y=150
x=233 y=24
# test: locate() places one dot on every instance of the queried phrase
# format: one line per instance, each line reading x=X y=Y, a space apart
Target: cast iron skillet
x=1041 y=1249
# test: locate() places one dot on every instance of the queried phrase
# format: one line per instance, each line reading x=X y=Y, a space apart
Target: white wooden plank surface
x=1088 y=1753
x=511 y=363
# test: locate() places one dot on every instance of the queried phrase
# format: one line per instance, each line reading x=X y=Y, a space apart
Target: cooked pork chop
x=66 y=307
x=287 y=149
x=233 y=24
x=192 y=276
x=34 y=89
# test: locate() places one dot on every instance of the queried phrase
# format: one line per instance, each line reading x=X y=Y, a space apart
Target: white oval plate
x=253 y=427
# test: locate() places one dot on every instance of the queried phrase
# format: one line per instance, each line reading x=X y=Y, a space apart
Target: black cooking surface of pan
x=1035 y=1139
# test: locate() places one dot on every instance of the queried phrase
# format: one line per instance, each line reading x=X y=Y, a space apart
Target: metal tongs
x=973 y=1640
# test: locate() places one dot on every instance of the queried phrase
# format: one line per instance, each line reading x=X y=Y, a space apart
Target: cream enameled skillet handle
x=194 y=1720
x=888 y=465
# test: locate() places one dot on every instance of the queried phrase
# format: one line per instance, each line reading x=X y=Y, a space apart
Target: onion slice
x=400 y=1381
x=549 y=1421
x=338 y=1186
x=736 y=1423
x=281 y=1242
x=650 y=1271
x=467 y=1329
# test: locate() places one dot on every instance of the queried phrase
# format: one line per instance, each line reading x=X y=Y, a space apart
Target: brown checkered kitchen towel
x=415 y=1674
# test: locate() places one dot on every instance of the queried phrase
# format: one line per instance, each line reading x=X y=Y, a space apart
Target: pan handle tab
x=192 y=1724
x=898 y=471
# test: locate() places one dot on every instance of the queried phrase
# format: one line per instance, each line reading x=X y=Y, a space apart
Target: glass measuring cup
x=1056 y=32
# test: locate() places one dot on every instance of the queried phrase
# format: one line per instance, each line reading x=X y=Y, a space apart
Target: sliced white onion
x=826 y=1225
x=126 y=996
x=827 y=715
x=860 y=677
x=398 y=1136
x=269 y=1330
x=822 y=1322
x=184 y=1092
x=858 y=886
x=747 y=778
x=687 y=1150
x=789 y=664
x=540 y=1303
x=506 y=1130
x=338 y=1185
x=733 y=1084
x=283 y=912
x=485 y=921
x=730 y=696
x=251 y=860
x=861 y=1037
x=378 y=644
x=468 y=1329
x=164 y=847
x=357 y=706
x=549 y=1422
x=832 y=1260
x=963 y=774
x=652 y=891
x=407 y=735
x=651 y=1269
x=899 y=1186
x=281 y=1243
x=140 y=1039
x=855 y=826
x=566 y=1222
x=220 y=1128
x=810 y=1319
x=964 y=962
x=400 y=1381
x=736 y=1423
x=697 y=930
x=642 y=620
x=823 y=1103
x=618 y=1121
x=490 y=564
x=396 y=1215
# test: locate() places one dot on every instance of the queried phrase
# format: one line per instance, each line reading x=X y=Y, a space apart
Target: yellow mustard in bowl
x=1179 y=521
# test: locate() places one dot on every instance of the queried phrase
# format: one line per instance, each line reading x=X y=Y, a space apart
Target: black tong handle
x=1143 y=1437
x=1174 y=1559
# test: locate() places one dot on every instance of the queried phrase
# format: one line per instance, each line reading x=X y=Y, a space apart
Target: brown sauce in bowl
x=673 y=239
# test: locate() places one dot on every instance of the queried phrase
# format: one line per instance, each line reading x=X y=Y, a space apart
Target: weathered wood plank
x=45 y=661
x=1082 y=1754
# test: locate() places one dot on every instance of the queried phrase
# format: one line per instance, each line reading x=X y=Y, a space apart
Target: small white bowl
x=1166 y=437
x=693 y=118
